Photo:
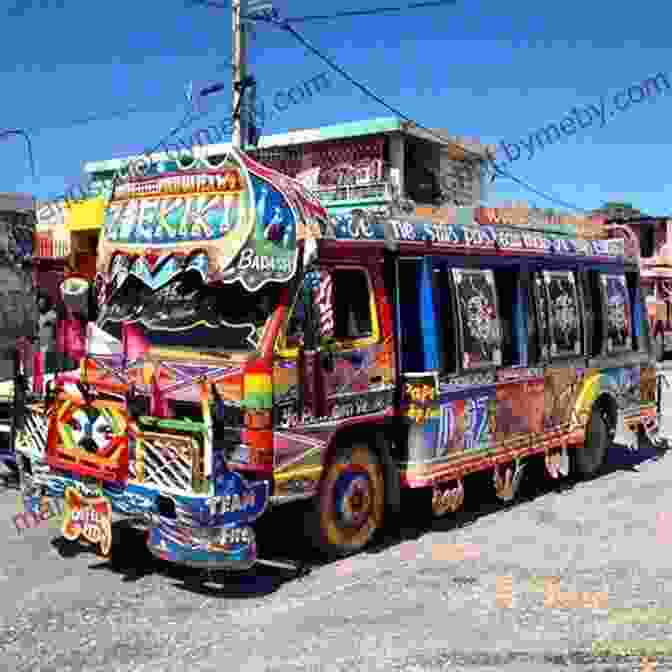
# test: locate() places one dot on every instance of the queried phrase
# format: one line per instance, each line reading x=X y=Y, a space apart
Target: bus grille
x=167 y=461
x=32 y=439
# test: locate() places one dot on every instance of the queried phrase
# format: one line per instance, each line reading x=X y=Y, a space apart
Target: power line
x=498 y=171
x=206 y=3
x=553 y=199
x=328 y=17
x=367 y=91
x=368 y=12
x=87 y=120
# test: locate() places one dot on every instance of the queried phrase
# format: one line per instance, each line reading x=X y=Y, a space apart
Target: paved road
x=425 y=600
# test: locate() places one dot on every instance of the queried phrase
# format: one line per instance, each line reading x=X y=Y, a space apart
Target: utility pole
x=239 y=60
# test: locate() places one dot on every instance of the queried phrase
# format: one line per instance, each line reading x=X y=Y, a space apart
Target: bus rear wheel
x=350 y=507
x=591 y=456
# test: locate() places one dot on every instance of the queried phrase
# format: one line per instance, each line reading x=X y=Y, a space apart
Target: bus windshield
x=187 y=313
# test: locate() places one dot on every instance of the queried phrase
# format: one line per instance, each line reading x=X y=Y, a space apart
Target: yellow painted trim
x=281 y=348
x=300 y=472
x=585 y=399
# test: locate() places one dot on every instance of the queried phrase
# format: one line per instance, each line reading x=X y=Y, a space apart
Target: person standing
x=47 y=332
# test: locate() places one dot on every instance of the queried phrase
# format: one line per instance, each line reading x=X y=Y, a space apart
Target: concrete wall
x=397 y=149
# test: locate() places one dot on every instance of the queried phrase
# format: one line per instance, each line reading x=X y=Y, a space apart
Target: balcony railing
x=383 y=191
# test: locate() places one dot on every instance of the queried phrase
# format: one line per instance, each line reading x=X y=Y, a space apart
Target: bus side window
x=352 y=304
x=618 y=312
x=594 y=322
x=640 y=337
x=479 y=318
x=540 y=304
x=445 y=311
x=565 y=313
x=532 y=326
x=507 y=282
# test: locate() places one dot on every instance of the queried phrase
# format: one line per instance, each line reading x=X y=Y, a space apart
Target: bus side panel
x=619 y=384
x=563 y=385
x=520 y=411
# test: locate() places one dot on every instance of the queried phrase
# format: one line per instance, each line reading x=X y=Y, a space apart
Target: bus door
x=331 y=353
x=351 y=374
x=419 y=363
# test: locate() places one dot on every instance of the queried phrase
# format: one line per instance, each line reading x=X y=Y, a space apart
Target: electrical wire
x=87 y=120
x=498 y=170
x=206 y=3
x=367 y=12
x=368 y=92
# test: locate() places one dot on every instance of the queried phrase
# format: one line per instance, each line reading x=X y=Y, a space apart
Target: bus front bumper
x=225 y=548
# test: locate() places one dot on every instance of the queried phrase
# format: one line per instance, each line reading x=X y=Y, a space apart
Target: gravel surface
x=463 y=593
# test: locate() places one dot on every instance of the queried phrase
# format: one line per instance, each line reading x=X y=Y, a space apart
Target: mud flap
x=392 y=484
x=624 y=436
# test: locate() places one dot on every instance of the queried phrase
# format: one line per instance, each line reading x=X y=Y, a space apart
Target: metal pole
x=239 y=73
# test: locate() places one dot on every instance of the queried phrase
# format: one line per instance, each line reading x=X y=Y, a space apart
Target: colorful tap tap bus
x=248 y=353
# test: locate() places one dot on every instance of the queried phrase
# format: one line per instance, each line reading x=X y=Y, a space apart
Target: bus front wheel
x=350 y=507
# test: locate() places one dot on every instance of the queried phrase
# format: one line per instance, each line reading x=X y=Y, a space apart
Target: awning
x=86 y=216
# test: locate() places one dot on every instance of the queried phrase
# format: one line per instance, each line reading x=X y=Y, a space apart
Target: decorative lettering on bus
x=173 y=220
x=420 y=392
x=444 y=233
x=225 y=182
x=509 y=240
x=250 y=261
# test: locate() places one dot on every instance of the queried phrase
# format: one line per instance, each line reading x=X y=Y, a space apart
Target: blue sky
x=483 y=69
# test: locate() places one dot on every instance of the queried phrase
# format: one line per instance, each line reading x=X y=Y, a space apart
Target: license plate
x=88 y=519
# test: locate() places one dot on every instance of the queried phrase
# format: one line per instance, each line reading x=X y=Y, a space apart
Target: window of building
x=351 y=304
x=617 y=312
x=564 y=311
x=479 y=319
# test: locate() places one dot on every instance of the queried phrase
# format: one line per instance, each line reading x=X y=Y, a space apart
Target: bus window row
x=506 y=317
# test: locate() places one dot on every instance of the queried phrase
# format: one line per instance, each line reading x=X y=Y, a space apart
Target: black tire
x=589 y=459
x=349 y=509
x=660 y=348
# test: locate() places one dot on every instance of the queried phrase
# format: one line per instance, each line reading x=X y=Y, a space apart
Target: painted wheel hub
x=353 y=499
